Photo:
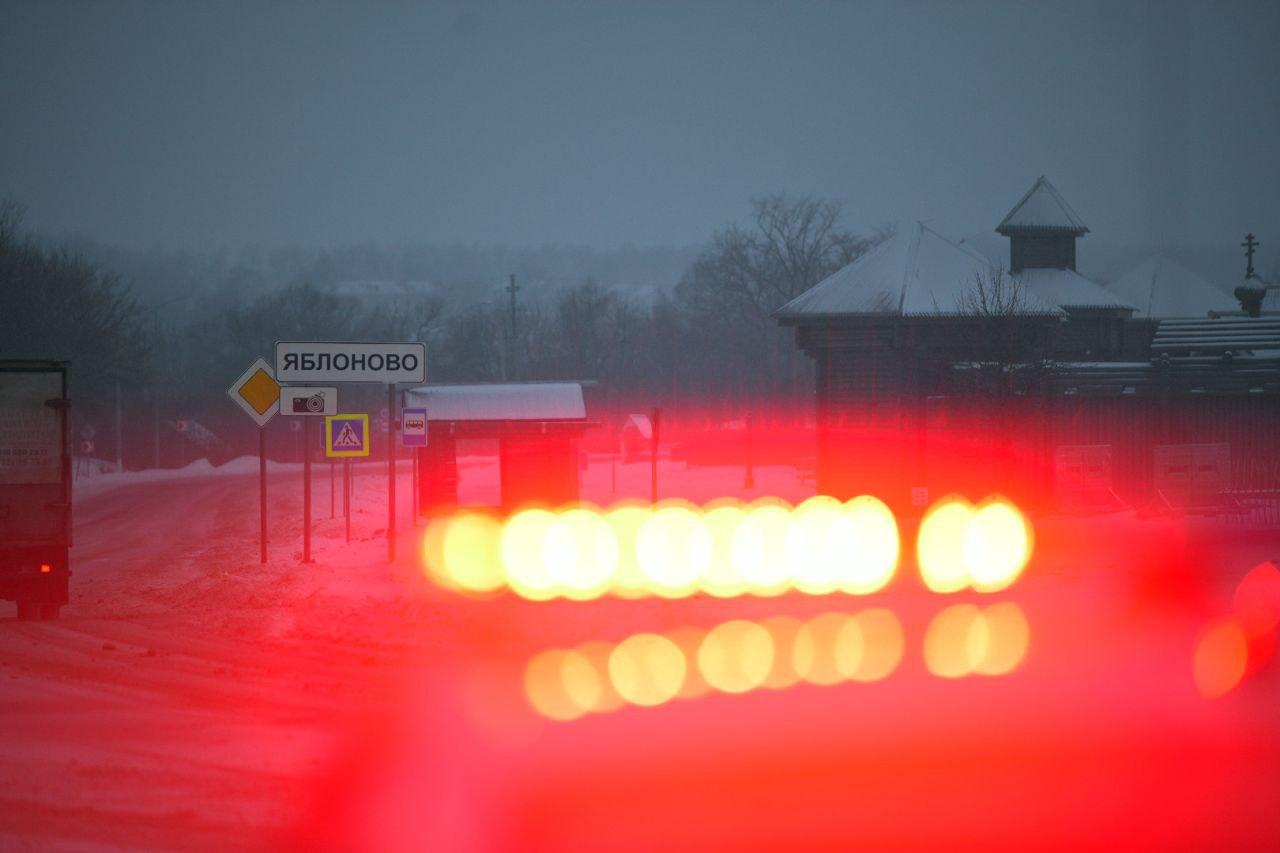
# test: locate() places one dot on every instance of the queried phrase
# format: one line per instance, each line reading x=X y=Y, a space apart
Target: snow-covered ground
x=191 y=698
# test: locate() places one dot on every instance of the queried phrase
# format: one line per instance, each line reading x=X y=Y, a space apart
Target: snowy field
x=191 y=698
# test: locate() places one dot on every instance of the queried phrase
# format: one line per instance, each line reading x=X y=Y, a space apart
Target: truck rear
x=35 y=487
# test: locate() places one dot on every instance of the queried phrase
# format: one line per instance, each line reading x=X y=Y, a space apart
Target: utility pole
x=512 y=289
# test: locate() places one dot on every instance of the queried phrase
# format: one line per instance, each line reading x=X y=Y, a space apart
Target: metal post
x=391 y=473
x=655 y=418
x=414 y=457
x=333 y=513
x=509 y=365
x=346 y=494
x=119 y=432
x=262 y=491
x=155 y=445
x=306 y=490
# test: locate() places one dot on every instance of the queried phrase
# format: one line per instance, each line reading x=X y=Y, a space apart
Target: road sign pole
x=262 y=492
x=654 y=418
x=306 y=490
x=119 y=432
x=391 y=474
x=333 y=513
x=155 y=444
x=346 y=494
x=414 y=456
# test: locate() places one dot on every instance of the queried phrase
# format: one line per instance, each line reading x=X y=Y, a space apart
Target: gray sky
x=199 y=125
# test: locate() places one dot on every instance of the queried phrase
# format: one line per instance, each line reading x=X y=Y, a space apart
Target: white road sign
x=308 y=401
x=330 y=361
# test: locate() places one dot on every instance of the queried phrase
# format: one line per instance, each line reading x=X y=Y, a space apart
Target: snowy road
x=167 y=708
x=193 y=699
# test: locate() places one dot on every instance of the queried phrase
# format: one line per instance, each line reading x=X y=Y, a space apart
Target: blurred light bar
x=675 y=549
x=741 y=656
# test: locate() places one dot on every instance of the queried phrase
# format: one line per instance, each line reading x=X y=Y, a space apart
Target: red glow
x=1257 y=600
x=1221 y=657
x=736 y=657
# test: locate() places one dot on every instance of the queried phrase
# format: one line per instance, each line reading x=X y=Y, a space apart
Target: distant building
x=920 y=328
x=384 y=292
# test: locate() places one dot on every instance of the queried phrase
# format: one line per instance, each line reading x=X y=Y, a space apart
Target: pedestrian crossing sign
x=346 y=435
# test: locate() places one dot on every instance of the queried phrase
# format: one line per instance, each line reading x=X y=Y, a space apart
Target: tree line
x=709 y=336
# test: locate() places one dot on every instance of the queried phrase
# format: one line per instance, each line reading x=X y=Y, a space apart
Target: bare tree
x=732 y=289
x=792 y=245
x=59 y=305
x=1004 y=334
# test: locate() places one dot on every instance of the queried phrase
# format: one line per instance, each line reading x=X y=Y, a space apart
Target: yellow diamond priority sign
x=257 y=392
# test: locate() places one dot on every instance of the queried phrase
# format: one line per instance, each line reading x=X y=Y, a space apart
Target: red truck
x=35 y=487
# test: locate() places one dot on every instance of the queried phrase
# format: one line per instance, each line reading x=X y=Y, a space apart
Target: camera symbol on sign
x=310 y=405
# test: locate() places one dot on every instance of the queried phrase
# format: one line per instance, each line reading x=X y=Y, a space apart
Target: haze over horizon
x=185 y=126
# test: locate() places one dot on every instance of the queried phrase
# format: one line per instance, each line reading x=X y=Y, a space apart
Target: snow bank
x=239 y=467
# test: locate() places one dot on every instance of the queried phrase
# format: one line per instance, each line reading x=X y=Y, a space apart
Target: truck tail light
x=45 y=568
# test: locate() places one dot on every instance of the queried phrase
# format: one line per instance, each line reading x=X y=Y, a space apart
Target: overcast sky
x=198 y=125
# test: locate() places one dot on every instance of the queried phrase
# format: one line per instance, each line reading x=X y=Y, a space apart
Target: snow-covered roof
x=1160 y=287
x=1042 y=209
x=1228 y=334
x=1068 y=289
x=916 y=271
x=526 y=401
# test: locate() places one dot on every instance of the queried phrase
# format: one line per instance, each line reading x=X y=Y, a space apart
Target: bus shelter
x=536 y=427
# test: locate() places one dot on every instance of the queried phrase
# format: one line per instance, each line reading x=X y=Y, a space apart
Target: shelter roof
x=517 y=401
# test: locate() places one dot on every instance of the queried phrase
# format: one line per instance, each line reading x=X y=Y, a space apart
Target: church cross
x=1249 y=244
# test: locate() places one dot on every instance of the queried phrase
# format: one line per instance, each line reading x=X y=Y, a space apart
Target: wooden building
x=1014 y=359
